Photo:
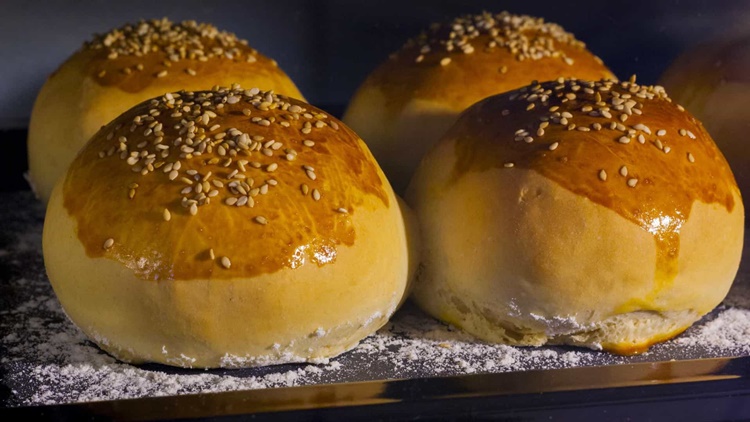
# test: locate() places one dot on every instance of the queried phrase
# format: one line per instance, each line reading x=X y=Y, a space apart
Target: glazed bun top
x=623 y=146
x=273 y=181
x=474 y=56
x=134 y=56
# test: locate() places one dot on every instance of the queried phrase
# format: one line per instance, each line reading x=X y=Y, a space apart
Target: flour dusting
x=45 y=359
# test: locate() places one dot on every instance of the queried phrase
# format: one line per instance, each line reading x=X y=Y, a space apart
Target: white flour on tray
x=46 y=360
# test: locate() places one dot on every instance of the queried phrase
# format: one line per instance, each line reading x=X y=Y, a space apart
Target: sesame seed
x=225 y=262
x=682 y=132
x=261 y=220
x=661 y=132
x=667 y=149
x=690 y=157
x=602 y=175
x=272 y=167
x=311 y=174
x=211 y=254
x=643 y=128
x=308 y=143
x=624 y=171
x=108 y=243
x=445 y=61
x=624 y=140
x=691 y=135
x=161 y=74
x=316 y=194
x=342 y=210
x=632 y=182
x=193 y=209
x=167 y=215
x=553 y=146
x=508 y=165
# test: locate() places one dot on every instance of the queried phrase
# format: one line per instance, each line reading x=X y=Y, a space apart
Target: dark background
x=329 y=46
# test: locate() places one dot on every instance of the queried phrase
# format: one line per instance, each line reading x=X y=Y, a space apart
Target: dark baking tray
x=700 y=381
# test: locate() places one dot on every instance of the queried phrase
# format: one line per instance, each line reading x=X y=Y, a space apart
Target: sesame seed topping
x=225 y=262
x=183 y=136
x=108 y=243
x=632 y=182
x=624 y=171
x=178 y=41
x=445 y=61
x=342 y=210
x=661 y=132
x=602 y=175
x=211 y=254
x=525 y=37
x=624 y=140
x=508 y=165
x=690 y=157
x=553 y=146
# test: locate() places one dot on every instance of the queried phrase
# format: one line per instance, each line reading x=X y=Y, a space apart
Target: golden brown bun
x=408 y=102
x=561 y=213
x=275 y=239
x=713 y=82
x=108 y=76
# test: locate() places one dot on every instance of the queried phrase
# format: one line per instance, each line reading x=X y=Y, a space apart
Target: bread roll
x=712 y=82
x=406 y=104
x=226 y=228
x=597 y=214
x=125 y=66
